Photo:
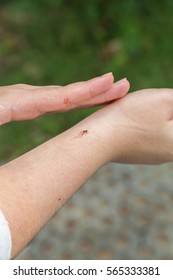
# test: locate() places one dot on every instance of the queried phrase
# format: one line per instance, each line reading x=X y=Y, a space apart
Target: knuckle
x=90 y=90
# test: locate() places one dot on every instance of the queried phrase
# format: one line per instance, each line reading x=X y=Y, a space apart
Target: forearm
x=37 y=184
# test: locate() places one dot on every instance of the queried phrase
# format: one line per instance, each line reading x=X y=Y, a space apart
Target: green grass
x=59 y=42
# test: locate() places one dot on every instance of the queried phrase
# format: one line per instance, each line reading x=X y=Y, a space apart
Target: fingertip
x=100 y=84
x=123 y=87
x=118 y=90
x=109 y=76
x=127 y=84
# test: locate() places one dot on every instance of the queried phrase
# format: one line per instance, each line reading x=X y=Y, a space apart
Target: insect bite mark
x=81 y=133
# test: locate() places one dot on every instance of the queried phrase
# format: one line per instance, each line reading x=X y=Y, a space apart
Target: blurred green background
x=63 y=41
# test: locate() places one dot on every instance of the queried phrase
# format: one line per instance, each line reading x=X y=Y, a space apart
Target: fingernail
x=107 y=74
x=102 y=76
x=102 y=83
x=121 y=81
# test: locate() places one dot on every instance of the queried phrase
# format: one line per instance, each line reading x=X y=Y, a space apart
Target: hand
x=23 y=102
x=136 y=129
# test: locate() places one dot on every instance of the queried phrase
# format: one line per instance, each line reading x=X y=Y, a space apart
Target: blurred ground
x=122 y=212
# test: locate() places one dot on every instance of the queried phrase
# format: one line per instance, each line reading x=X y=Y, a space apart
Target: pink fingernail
x=107 y=74
x=121 y=81
x=102 y=77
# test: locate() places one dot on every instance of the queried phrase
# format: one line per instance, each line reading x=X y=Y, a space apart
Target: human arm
x=135 y=129
x=23 y=102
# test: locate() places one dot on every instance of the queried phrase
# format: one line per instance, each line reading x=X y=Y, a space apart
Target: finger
x=81 y=91
x=55 y=98
x=118 y=90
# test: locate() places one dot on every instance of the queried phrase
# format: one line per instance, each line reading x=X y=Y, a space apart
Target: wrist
x=96 y=139
x=87 y=143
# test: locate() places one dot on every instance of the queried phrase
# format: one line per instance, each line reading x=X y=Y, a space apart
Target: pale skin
x=134 y=129
x=24 y=102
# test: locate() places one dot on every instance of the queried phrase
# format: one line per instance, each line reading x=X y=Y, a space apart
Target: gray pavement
x=122 y=212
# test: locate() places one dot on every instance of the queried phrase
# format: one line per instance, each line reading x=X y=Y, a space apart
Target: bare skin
x=23 y=102
x=135 y=129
